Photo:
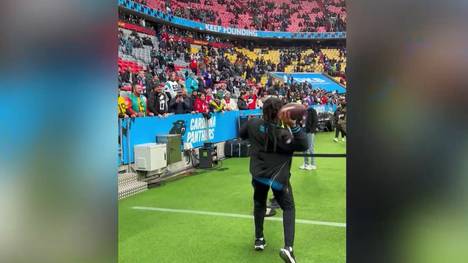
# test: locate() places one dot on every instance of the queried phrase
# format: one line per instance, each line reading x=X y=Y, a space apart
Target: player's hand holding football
x=285 y=117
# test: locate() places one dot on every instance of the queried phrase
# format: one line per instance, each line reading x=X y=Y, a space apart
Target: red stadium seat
x=312 y=8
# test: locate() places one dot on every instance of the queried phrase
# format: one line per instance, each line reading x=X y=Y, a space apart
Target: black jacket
x=181 y=107
x=270 y=154
x=158 y=103
x=311 y=121
x=242 y=104
x=126 y=77
x=190 y=101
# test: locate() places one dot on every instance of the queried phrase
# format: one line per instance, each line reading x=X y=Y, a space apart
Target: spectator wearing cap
x=216 y=105
x=221 y=90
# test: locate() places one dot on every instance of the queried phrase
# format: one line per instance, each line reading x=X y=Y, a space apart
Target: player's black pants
x=339 y=129
x=286 y=201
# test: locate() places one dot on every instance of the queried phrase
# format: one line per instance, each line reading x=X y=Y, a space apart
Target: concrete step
x=132 y=189
x=127 y=178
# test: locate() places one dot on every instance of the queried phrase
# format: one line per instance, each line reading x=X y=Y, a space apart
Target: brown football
x=297 y=111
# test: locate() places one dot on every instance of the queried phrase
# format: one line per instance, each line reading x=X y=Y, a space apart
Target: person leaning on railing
x=123 y=105
x=138 y=105
x=216 y=105
x=229 y=104
x=179 y=105
x=201 y=105
x=241 y=103
x=158 y=101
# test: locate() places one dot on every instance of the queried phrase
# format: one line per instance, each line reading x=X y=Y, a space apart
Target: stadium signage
x=193 y=128
x=136 y=28
x=179 y=21
x=231 y=31
x=201 y=130
x=168 y=37
x=317 y=80
x=312 y=80
x=199 y=42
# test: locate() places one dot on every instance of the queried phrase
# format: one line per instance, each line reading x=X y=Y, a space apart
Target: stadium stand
x=186 y=89
x=186 y=63
x=278 y=15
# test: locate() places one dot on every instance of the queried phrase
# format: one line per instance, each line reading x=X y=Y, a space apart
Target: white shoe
x=303 y=167
x=311 y=167
x=343 y=140
x=336 y=139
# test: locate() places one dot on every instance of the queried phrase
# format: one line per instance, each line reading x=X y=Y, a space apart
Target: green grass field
x=155 y=236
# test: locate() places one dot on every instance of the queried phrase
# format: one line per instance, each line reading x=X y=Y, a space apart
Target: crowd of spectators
x=288 y=56
x=132 y=19
x=172 y=97
x=127 y=44
x=210 y=82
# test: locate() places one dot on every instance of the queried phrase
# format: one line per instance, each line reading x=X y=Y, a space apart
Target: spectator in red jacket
x=209 y=96
x=251 y=100
x=201 y=105
x=194 y=66
x=324 y=99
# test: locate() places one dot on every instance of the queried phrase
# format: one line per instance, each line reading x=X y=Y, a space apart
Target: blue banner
x=325 y=108
x=193 y=128
x=158 y=15
x=318 y=80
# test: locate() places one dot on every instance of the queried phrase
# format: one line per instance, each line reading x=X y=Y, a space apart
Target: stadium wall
x=192 y=127
x=238 y=32
x=166 y=36
x=136 y=28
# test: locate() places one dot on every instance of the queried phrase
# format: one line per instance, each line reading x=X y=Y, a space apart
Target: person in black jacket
x=310 y=126
x=179 y=105
x=150 y=83
x=241 y=103
x=158 y=101
x=340 y=122
x=273 y=140
x=128 y=76
x=189 y=99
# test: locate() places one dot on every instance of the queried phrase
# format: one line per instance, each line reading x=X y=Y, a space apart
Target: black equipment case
x=237 y=148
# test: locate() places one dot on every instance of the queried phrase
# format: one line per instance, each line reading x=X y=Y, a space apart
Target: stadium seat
x=313 y=9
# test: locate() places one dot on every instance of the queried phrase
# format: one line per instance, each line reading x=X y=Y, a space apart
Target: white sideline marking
x=300 y=221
